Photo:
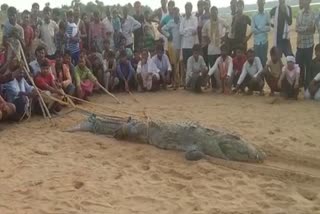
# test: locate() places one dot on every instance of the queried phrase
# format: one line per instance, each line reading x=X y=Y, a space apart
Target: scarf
x=286 y=26
x=215 y=32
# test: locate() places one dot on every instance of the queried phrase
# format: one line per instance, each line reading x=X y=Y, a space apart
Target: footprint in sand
x=308 y=194
x=78 y=184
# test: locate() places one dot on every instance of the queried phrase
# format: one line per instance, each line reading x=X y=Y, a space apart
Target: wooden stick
x=102 y=106
x=47 y=112
x=134 y=98
x=110 y=94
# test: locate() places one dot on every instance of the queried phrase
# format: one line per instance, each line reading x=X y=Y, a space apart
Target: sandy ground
x=45 y=170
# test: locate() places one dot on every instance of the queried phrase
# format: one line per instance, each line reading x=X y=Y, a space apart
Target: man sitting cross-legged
x=196 y=70
x=161 y=60
x=251 y=76
x=147 y=73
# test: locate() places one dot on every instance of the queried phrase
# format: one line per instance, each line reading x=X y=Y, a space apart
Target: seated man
x=19 y=92
x=313 y=92
x=122 y=48
x=45 y=82
x=238 y=62
x=273 y=70
x=63 y=75
x=40 y=58
x=125 y=73
x=223 y=70
x=196 y=69
x=251 y=76
x=6 y=109
x=110 y=71
x=85 y=81
x=289 y=79
x=161 y=60
x=147 y=73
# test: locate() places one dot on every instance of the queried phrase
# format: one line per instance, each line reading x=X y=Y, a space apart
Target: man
x=229 y=40
x=203 y=19
x=138 y=34
x=260 y=27
x=73 y=38
x=36 y=21
x=241 y=22
x=28 y=31
x=109 y=28
x=40 y=58
x=161 y=60
x=47 y=32
x=129 y=25
x=282 y=20
x=189 y=33
x=251 y=75
x=161 y=12
x=313 y=92
x=169 y=17
x=11 y=24
x=172 y=31
x=97 y=33
x=305 y=27
x=80 y=24
x=147 y=73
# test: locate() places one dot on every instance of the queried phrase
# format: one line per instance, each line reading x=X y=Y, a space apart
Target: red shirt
x=28 y=35
x=238 y=64
x=42 y=81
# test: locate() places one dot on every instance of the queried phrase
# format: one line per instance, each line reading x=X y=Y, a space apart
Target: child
x=251 y=75
x=196 y=68
x=222 y=70
x=273 y=70
x=289 y=79
x=123 y=48
x=110 y=66
x=161 y=60
x=238 y=62
x=84 y=79
x=147 y=74
x=125 y=73
x=45 y=81
x=63 y=75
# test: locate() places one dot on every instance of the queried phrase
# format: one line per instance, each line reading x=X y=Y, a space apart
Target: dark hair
x=69 y=13
x=188 y=4
x=273 y=51
x=317 y=48
x=213 y=8
x=200 y=3
x=83 y=15
x=11 y=11
x=224 y=47
x=240 y=47
x=47 y=10
x=26 y=12
x=40 y=48
x=35 y=5
x=45 y=63
x=240 y=3
x=122 y=54
x=67 y=53
x=171 y=2
x=111 y=54
x=137 y=3
x=62 y=25
x=250 y=51
x=196 y=48
x=145 y=50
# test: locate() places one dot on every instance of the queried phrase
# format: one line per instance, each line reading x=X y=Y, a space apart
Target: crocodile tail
x=84 y=126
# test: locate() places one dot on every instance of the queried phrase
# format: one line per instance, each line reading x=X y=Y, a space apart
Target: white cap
x=291 y=59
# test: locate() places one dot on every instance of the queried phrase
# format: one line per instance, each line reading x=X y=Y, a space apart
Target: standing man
x=28 y=31
x=129 y=25
x=109 y=28
x=73 y=38
x=161 y=12
x=97 y=33
x=80 y=24
x=12 y=24
x=260 y=27
x=35 y=16
x=138 y=34
x=305 y=27
x=229 y=40
x=282 y=20
x=241 y=23
x=189 y=33
x=47 y=32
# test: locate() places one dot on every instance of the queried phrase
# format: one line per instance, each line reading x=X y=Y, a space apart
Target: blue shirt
x=14 y=87
x=260 y=27
x=125 y=71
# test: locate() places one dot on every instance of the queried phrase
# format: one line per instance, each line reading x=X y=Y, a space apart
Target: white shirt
x=108 y=25
x=35 y=67
x=214 y=49
x=128 y=27
x=188 y=31
x=253 y=70
x=47 y=32
x=149 y=67
x=164 y=64
x=215 y=67
x=317 y=77
x=291 y=75
x=14 y=87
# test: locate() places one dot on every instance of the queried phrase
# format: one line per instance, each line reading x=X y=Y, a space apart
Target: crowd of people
x=83 y=53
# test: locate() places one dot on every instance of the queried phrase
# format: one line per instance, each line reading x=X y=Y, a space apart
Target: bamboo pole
x=107 y=92
x=42 y=103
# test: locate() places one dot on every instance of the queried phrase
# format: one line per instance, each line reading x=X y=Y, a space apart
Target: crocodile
x=196 y=141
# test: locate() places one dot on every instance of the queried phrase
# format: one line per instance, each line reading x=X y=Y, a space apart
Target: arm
x=68 y=81
x=243 y=75
x=168 y=63
x=77 y=79
x=189 y=67
x=119 y=73
x=131 y=72
x=139 y=68
x=205 y=32
x=230 y=67
x=283 y=74
x=259 y=67
x=288 y=17
x=300 y=28
x=296 y=85
x=214 y=67
x=135 y=24
x=267 y=27
x=166 y=29
x=91 y=76
x=254 y=28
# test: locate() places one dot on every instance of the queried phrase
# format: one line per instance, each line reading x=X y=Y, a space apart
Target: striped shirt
x=72 y=31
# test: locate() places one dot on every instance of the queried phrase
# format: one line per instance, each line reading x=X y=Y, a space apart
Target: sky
x=26 y=4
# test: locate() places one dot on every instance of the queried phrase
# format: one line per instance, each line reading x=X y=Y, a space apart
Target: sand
x=45 y=170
